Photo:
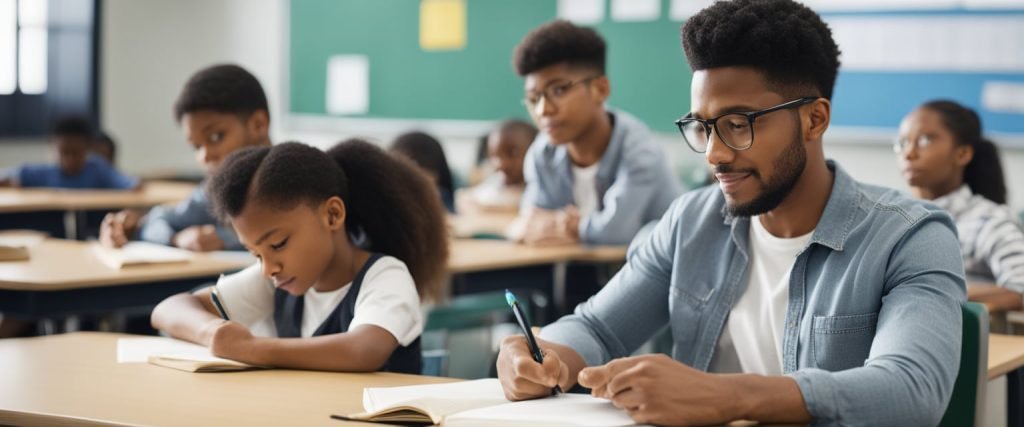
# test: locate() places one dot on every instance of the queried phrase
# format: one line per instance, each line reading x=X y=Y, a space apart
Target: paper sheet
x=348 y=84
x=582 y=12
x=442 y=24
x=138 y=350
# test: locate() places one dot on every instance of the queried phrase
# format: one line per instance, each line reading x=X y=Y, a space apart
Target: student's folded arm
x=365 y=348
x=631 y=308
x=1001 y=245
x=186 y=316
x=624 y=203
x=163 y=222
x=915 y=354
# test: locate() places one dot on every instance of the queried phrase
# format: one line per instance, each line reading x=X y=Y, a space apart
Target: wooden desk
x=996 y=299
x=73 y=202
x=472 y=255
x=468 y=225
x=999 y=302
x=1005 y=354
x=64 y=277
x=75 y=379
x=151 y=194
x=479 y=255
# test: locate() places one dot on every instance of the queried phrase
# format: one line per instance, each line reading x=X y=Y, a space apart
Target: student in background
x=221 y=109
x=594 y=175
x=333 y=305
x=426 y=151
x=945 y=159
x=503 y=188
x=77 y=167
x=103 y=145
x=482 y=168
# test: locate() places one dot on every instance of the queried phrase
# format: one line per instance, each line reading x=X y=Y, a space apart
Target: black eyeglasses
x=738 y=132
x=555 y=92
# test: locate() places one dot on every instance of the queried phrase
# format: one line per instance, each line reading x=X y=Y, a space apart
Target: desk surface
x=58 y=264
x=996 y=299
x=479 y=255
x=151 y=194
x=1005 y=354
x=467 y=225
x=75 y=379
x=66 y=264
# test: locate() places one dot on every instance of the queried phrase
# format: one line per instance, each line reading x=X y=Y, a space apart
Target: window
x=32 y=46
x=35 y=37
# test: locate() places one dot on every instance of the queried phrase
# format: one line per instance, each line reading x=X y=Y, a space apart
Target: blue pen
x=524 y=323
x=216 y=303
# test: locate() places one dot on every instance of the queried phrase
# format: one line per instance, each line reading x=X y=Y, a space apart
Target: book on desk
x=139 y=253
x=482 y=402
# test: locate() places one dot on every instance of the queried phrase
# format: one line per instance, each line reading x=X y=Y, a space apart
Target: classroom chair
x=967 y=405
x=480 y=311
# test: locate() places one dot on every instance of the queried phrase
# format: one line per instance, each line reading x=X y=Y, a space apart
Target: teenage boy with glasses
x=593 y=175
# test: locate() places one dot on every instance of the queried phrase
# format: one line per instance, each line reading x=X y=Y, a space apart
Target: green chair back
x=968 y=403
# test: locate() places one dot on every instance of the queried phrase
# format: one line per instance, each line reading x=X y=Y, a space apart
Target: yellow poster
x=442 y=24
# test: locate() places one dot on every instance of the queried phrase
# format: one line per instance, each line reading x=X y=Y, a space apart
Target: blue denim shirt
x=634 y=183
x=163 y=222
x=873 y=326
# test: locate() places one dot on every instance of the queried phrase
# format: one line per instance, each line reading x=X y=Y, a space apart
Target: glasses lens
x=735 y=131
x=695 y=134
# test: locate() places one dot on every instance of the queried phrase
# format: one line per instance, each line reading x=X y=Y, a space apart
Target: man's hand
x=656 y=389
x=522 y=377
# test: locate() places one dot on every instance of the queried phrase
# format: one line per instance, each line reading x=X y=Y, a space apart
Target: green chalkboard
x=646 y=66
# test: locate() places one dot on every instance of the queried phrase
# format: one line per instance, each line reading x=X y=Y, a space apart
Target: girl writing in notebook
x=349 y=241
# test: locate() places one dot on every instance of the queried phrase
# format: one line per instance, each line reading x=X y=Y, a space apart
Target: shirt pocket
x=842 y=342
x=686 y=309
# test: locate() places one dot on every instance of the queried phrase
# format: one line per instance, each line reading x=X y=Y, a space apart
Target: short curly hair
x=225 y=88
x=784 y=39
x=557 y=42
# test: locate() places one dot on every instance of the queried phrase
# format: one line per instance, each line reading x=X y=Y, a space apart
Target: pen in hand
x=524 y=323
x=216 y=303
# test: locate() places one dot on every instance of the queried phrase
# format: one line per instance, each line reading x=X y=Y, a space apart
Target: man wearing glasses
x=792 y=293
x=593 y=175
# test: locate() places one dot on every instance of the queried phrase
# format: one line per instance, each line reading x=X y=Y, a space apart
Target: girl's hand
x=232 y=340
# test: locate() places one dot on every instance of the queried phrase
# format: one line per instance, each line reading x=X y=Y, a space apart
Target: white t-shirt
x=752 y=340
x=584 y=188
x=387 y=299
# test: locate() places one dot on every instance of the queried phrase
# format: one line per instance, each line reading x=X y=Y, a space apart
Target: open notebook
x=176 y=354
x=139 y=253
x=482 y=403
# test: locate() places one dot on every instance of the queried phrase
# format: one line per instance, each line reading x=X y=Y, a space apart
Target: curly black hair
x=556 y=42
x=75 y=126
x=784 y=39
x=224 y=88
x=388 y=200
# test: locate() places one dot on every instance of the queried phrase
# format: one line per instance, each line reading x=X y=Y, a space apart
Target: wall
x=150 y=47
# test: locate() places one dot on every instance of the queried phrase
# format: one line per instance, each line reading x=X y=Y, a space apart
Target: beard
x=788 y=168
